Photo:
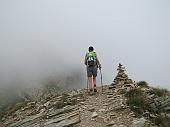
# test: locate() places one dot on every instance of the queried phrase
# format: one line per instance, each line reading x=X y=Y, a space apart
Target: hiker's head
x=91 y=49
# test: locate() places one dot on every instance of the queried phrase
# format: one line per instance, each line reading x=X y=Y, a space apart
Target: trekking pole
x=87 y=85
x=101 y=79
x=87 y=82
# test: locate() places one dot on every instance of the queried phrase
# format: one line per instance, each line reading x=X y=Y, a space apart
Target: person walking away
x=92 y=63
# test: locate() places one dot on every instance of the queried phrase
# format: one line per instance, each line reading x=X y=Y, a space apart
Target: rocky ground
x=106 y=108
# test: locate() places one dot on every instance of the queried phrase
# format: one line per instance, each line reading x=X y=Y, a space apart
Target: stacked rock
x=122 y=80
x=122 y=77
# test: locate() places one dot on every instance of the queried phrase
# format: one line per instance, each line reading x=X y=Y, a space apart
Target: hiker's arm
x=98 y=62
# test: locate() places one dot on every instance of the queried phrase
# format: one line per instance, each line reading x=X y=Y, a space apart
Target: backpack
x=91 y=58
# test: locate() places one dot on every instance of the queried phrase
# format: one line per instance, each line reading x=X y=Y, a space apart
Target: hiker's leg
x=90 y=82
x=89 y=74
x=90 y=85
x=94 y=78
x=94 y=82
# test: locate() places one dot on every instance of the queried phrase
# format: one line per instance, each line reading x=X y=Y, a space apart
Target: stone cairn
x=122 y=80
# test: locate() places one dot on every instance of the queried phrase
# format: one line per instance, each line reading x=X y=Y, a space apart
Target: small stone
x=47 y=104
x=109 y=96
x=139 y=122
x=163 y=115
x=112 y=86
x=102 y=110
x=92 y=109
x=111 y=123
x=122 y=126
x=112 y=114
x=114 y=126
x=132 y=114
x=100 y=119
x=128 y=89
x=167 y=109
x=123 y=106
x=83 y=103
x=84 y=107
x=106 y=104
x=92 y=119
x=152 y=116
x=94 y=115
x=105 y=107
x=106 y=120
x=168 y=116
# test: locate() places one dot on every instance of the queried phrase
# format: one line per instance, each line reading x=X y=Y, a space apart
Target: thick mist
x=29 y=63
x=42 y=39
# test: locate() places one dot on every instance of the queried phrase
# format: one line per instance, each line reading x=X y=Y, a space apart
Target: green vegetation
x=136 y=101
x=12 y=107
x=160 y=92
x=2 y=113
x=16 y=107
x=143 y=84
x=50 y=86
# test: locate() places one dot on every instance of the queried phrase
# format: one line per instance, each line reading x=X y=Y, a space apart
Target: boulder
x=139 y=122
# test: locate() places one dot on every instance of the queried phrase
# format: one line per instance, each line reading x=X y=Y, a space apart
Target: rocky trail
x=100 y=110
x=106 y=108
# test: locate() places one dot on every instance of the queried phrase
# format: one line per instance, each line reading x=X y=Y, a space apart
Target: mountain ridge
x=124 y=103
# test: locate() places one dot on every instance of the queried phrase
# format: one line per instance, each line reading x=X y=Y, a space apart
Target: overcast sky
x=42 y=37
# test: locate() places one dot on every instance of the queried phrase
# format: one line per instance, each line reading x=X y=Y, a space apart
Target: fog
x=40 y=39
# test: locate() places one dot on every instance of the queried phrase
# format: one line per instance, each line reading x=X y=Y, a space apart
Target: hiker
x=92 y=63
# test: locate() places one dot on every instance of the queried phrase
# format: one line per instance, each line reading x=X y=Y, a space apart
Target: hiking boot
x=95 y=90
x=91 y=92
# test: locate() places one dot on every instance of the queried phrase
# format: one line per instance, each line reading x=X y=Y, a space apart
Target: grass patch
x=160 y=92
x=136 y=101
x=2 y=113
x=11 y=108
x=143 y=84
x=16 y=106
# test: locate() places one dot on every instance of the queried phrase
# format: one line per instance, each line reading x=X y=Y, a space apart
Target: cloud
x=41 y=38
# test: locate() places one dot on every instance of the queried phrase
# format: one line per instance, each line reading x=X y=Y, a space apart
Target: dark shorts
x=92 y=71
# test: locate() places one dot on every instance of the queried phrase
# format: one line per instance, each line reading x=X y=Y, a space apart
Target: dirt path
x=107 y=109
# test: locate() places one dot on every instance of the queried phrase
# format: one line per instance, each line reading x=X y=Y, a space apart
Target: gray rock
x=83 y=103
x=109 y=96
x=167 y=109
x=102 y=110
x=27 y=121
x=122 y=126
x=55 y=112
x=112 y=86
x=153 y=106
x=62 y=117
x=2 y=125
x=114 y=126
x=94 y=115
x=168 y=115
x=139 y=123
x=47 y=104
x=111 y=124
x=91 y=109
x=64 y=123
